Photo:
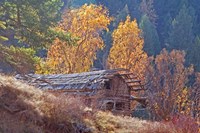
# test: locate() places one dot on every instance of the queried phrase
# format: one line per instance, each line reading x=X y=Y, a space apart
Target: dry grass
x=25 y=109
x=108 y=123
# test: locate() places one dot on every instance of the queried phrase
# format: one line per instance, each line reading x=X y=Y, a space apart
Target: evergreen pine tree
x=121 y=16
x=193 y=54
x=151 y=39
x=181 y=35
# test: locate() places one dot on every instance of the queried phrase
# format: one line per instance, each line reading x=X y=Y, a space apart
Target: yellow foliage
x=167 y=76
x=85 y=23
x=127 y=50
x=183 y=102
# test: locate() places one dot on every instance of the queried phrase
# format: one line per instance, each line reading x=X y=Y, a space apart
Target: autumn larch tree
x=166 y=85
x=85 y=23
x=127 y=50
x=195 y=98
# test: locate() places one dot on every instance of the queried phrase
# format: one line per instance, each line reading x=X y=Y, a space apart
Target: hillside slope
x=25 y=109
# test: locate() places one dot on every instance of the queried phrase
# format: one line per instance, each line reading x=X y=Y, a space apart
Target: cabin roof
x=86 y=80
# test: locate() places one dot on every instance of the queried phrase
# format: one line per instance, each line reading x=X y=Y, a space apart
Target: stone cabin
x=103 y=89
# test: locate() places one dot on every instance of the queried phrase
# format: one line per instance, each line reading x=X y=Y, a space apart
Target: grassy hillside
x=24 y=109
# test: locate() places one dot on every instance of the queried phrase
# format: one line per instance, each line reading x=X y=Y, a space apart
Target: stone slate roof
x=86 y=80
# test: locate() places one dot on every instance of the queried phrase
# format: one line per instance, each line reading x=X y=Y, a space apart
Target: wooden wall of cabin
x=118 y=87
x=117 y=90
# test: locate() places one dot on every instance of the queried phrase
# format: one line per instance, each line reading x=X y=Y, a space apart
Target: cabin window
x=109 y=105
x=120 y=106
x=107 y=85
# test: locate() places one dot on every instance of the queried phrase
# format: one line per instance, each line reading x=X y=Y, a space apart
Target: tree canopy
x=127 y=50
x=85 y=23
x=30 y=20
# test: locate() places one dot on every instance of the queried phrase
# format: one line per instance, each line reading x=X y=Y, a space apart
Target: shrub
x=185 y=124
